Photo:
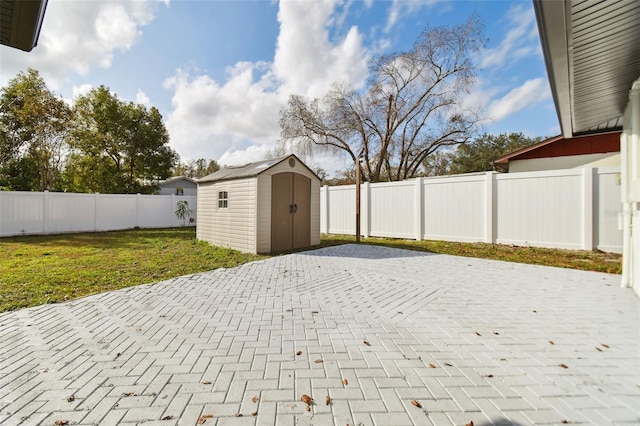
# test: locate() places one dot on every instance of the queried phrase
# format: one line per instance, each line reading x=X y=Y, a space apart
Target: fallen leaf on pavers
x=432 y=366
x=306 y=399
x=237 y=415
x=299 y=353
x=470 y=423
x=130 y=394
x=503 y=359
x=606 y=346
x=551 y=342
x=71 y=398
x=327 y=400
x=319 y=361
x=206 y=382
x=254 y=399
x=448 y=364
x=489 y=375
x=564 y=366
x=61 y=422
x=308 y=408
x=345 y=382
x=564 y=422
x=478 y=334
x=255 y=413
x=400 y=312
x=366 y=342
x=496 y=333
x=118 y=354
x=167 y=418
x=416 y=403
x=203 y=418
x=314 y=312
x=598 y=349
x=289 y=310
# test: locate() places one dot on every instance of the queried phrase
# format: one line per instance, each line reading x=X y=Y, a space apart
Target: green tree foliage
x=117 y=147
x=478 y=156
x=34 y=123
x=196 y=168
x=408 y=110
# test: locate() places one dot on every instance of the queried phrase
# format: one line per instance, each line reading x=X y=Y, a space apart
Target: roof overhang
x=20 y=23
x=592 y=53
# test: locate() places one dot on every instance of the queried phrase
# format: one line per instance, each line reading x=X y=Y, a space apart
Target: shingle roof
x=247 y=170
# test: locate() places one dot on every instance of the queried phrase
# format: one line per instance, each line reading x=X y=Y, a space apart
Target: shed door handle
x=295 y=208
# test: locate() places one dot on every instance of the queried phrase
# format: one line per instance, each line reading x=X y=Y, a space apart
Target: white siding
x=235 y=226
x=170 y=188
x=565 y=162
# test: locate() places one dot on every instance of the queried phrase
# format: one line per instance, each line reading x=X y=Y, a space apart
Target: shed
x=261 y=207
x=178 y=185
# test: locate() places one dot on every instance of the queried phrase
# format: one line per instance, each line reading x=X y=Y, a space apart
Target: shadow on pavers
x=364 y=251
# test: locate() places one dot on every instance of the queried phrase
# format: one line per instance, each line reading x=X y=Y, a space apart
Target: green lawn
x=49 y=269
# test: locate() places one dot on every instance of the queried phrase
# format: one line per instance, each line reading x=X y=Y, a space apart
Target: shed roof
x=248 y=170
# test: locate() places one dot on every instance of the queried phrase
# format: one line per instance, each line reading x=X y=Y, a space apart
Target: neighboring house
x=599 y=150
x=592 y=53
x=20 y=23
x=263 y=207
x=179 y=185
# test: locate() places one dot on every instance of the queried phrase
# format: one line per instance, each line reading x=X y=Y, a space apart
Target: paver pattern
x=374 y=328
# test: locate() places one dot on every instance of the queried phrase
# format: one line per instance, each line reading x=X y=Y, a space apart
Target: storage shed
x=262 y=207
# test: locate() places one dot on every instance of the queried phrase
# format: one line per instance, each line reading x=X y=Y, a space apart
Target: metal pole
x=358 y=200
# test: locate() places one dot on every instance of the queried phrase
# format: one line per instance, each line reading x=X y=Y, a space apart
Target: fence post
x=365 y=214
x=489 y=211
x=138 y=210
x=587 y=208
x=45 y=211
x=419 y=208
x=324 y=192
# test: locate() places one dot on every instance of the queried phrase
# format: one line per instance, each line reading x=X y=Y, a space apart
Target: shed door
x=290 y=211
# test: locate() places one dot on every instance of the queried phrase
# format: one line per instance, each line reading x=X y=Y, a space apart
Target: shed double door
x=290 y=211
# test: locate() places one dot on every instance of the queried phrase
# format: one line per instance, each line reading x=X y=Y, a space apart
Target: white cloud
x=77 y=36
x=528 y=94
x=237 y=121
x=142 y=98
x=81 y=90
x=401 y=8
x=521 y=39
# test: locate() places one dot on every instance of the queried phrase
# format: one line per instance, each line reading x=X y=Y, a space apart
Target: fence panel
x=540 y=209
x=67 y=212
x=572 y=209
x=342 y=207
x=392 y=209
x=36 y=213
x=21 y=213
x=454 y=208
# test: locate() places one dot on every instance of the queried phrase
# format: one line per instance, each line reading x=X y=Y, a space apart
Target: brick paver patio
x=373 y=328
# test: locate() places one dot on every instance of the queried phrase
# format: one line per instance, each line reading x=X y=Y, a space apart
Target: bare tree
x=409 y=109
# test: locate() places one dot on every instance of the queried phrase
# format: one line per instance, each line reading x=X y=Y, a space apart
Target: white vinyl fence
x=34 y=213
x=572 y=209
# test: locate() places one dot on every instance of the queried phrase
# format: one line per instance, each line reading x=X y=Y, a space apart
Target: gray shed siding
x=235 y=226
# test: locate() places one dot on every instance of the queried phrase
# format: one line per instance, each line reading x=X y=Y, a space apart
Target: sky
x=219 y=71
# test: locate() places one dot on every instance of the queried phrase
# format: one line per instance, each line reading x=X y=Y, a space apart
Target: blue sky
x=219 y=70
